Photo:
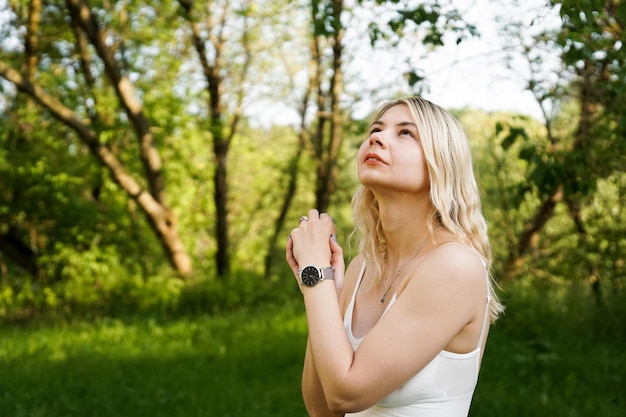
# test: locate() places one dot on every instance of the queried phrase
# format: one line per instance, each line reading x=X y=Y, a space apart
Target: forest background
x=155 y=155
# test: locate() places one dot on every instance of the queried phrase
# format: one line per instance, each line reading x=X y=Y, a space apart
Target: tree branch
x=81 y=14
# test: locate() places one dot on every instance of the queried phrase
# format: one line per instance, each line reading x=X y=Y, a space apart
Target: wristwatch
x=311 y=275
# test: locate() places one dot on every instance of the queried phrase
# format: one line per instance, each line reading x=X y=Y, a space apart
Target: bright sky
x=473 y=73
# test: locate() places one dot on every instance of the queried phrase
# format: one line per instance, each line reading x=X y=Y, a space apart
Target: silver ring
x=303 y=219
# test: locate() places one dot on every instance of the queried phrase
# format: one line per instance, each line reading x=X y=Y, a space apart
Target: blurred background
x=155 y=155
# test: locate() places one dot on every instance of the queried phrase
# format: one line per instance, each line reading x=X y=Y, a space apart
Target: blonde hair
x=453 y=190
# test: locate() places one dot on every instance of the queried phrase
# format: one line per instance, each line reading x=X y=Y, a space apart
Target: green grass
x=550 y=377
x=544 y=358
x=555 y=355
x=243 y=364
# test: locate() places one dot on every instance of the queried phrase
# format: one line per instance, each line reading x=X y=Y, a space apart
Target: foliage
x=514 y=186
x=95 y=287
x=437 y=18
x=73 y=239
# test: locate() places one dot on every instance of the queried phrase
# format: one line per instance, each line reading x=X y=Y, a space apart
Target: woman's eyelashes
x=401 y=132
x=407 y=132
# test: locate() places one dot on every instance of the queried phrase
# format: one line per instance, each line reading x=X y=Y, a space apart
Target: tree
x=222 y=54
x=100 y=67
x=579 y=149
x=326 y=138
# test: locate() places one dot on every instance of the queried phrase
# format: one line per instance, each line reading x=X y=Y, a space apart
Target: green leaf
x=514 y=133
x=499 y=128
x=527 y=153
x=413 y=78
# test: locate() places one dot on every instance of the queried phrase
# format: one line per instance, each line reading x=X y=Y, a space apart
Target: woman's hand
x=313 y=243
x=337 y=263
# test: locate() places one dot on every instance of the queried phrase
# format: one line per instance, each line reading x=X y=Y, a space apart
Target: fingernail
x=333 y=237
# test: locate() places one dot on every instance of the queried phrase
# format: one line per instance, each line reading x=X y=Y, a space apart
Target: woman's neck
x=405 y=226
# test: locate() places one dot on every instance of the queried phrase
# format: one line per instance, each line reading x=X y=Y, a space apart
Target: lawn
x=248 y=363
x=242 y=364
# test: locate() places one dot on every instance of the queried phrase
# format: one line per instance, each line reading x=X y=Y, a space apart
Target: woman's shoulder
x=457 y=248
x=455 y=261
x=450 y=271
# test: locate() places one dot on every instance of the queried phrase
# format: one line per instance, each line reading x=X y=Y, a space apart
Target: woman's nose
x=377 y=139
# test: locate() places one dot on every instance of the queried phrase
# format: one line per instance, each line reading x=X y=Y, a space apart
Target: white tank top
x=443 y=388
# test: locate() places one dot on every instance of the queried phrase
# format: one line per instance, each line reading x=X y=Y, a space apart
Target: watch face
x=310 y=276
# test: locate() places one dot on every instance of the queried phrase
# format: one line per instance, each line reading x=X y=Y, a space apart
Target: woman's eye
x=374 y=130
x=407 y=132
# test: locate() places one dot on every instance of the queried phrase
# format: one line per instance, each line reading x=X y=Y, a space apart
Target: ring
x=303 y=219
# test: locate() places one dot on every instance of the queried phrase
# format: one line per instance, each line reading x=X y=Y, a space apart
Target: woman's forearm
x=312 y=391
x=329 y=346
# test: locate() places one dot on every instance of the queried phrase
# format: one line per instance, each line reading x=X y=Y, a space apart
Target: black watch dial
x=310 y=276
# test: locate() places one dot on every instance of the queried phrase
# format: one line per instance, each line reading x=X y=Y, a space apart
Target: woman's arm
x=312 y=391
x=442 y=300
x=441 y=305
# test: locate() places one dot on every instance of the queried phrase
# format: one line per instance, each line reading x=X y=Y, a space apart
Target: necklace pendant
x=382 y=300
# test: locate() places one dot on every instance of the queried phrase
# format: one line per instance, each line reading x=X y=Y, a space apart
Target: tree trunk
x=19 y=252
x=221 y=142
x=209 y=42
x=220 y=197
x=328 y=139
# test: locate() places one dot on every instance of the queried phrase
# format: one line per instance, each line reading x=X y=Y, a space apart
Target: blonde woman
x=400 y=332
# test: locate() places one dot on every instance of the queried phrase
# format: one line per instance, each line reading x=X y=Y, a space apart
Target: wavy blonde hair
x=453 y=190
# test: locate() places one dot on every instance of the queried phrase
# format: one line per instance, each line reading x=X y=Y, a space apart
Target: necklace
x=382 y=300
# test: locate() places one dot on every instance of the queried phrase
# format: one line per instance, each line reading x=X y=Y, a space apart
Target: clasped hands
x=313 y=242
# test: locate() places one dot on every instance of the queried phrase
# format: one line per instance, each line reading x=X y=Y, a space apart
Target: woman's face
x=392 y=158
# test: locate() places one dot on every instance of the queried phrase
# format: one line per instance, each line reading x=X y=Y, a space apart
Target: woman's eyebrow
x=381 y=123
x=401 y=124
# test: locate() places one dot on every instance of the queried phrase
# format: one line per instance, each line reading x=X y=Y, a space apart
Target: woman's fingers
x=309 y=241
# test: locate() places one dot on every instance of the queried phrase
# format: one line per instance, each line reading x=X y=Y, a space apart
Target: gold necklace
x=382 y=300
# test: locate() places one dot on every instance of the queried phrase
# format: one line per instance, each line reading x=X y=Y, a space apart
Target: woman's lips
x=373 y=159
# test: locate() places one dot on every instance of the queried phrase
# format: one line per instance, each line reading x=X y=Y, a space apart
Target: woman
x=403 y=331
